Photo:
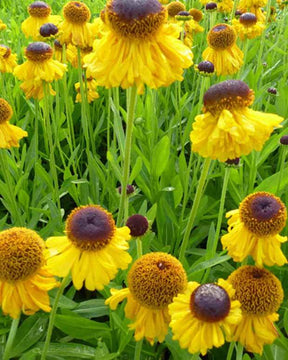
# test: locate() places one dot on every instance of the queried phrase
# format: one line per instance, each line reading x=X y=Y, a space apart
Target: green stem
x=221 y=207
x=15 y=210
x=52 y=316
x=239 y=352
x=11 y=337
x=51 y=145
x=131 y=102
x=194 y=209
x=230 y=350
x=253 y=172
x=139 y=247
x=282 y=166
x=138 y=349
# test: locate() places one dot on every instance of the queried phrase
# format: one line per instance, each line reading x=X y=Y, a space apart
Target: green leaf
x=92 y=308
x=160 y=156
x=80 y=328
x=30 y=331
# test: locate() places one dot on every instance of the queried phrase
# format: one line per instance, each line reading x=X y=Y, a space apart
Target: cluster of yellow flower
x=132 y=45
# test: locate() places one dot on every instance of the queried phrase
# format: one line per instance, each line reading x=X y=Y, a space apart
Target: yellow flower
x=254 y=230
x=92 y=93
x=7 y=59
x=153 y=281
x=248 y=4
x=38 y=68
x=222 y=50
x=139 y=47
x=2 y=25
x=75 y=29
x=9 y=134
x=225 y=6
x=228 y=128
x=93 y=248
x=40 y=13
x=247 y=27
x=260 y=294
x=72 y=54
x=24 y=278
x=204 y=315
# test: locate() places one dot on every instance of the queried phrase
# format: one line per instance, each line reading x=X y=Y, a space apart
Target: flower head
x=2 y=25
x=247 y=26
x=196 y=14
x=24 y=279
x=7 y=59
x=153 y=281
x=92 y=93
x=228 y=128
x=93 y=248
x=138 y=225
x=156 y=56
x=76 y=29
x=254 y=230
x=40 y=13
x=222 y=50
x=260 y=294
x=48 y=29
x=175 y=7
x=39 y=67
x=9 y=134
x=203 y=315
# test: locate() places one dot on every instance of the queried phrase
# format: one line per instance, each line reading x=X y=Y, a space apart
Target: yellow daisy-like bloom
x=24 y=278
x=153 y=281
x=9 y=134
x=228 y=128
x=260 y=294
x=204 y=315
x=58 y=51
x=254 y=230
x=8 y=61
x=72 y=54
x=2 y=25
x=222 y=50
x=40 y=13
x=92 y=93
x=76 y=28
x=247 y=27
x=139 y=47
x=225 y=6
x=93 y=248
x=38 y=68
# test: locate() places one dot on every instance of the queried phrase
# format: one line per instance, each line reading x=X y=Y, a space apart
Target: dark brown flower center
x=263 y=213
x=39 y=9
x=248 y=19
x=229 y=94
x=221 y=36
x=135 y=18
x=76 y=12
x=210 y=303
x=5 y=111
x=39 y=51
x=90 y=227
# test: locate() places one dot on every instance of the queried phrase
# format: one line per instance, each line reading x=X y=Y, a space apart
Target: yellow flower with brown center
x=7 y=59
x=76 y=29
x=222 y=50
x=39 y=68
x=254 y=230
x=138 y=48
x=24 y=278
x=9 y=134
x=247 y=26
x=40 y=13
x=92 y=93
x=204 y=315
x=248 y=4
x=93 y=248
x=153 y=281
x=260 y=294
x=228 y=129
